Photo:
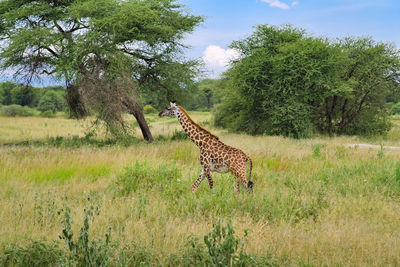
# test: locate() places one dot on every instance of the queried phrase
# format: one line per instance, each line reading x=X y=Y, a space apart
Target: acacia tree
x=287 y=82
x=105 y=50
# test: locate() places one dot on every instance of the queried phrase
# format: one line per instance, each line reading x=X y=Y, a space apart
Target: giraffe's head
x=171 y=110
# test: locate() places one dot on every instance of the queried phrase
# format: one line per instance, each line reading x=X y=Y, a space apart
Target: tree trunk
x=134 y=109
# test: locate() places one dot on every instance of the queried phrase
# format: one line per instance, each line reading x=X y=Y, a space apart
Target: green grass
x=315 y=202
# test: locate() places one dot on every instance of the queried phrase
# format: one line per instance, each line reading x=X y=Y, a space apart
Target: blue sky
x=226 y=21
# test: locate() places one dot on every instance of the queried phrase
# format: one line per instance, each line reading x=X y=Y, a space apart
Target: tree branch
x=58 y=26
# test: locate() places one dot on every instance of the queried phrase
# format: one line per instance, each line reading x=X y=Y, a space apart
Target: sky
x=226 y=21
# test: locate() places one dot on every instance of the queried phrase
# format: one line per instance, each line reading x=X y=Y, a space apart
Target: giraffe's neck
x=196 y=133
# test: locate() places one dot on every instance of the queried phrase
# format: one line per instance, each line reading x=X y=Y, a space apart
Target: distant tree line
x=49 y=99
x=289 y=83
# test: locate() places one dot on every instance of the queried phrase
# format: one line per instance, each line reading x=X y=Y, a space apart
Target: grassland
x=315 y=202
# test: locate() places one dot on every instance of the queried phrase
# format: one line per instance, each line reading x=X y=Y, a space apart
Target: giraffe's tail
x=250 y=184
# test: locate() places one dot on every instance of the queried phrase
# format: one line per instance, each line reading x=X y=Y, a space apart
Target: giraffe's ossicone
x=215 y=156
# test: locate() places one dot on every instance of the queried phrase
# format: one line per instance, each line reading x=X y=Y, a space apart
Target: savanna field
x=66 y=198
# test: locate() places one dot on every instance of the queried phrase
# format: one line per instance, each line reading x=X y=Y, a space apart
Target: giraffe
x=215 y=156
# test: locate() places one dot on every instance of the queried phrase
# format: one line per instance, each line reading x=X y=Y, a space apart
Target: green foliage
x=23 y=96
x=396 y=108
x=288 y=83
x=84 y=251
x=5 y=92
x=50 y=101
x=16 y=110
x=224 y=248
x=179 y=135
x=35 y=253
x=107 y=55
x=47 y=114
x=205 y=96
x=149 y=109
x=144 y=176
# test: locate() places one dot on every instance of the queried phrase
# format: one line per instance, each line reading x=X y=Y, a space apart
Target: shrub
x=37 y=253
x=16 y=110
x=224 y=248
x=84 y=251
x=396 y=108
x=179 y=135
x=142 y=175
x=148 y=109
x=48 y=114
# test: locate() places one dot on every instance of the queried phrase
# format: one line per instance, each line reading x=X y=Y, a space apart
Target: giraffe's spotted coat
x=215 y=156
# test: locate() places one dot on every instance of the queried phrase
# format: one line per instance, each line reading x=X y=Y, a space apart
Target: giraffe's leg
x=240 y=179
x=209 y=178
x=198 y=181
x=237 y=188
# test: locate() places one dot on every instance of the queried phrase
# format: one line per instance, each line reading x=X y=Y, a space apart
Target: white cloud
x=216 y=56
x=279 y=4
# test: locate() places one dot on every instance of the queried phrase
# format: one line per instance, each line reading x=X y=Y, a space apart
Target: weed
x=44 y=208
x=397 y=172
x=36 y=253
x=316 y=150
x=381 y=152
x=83 y=251
x=224 y=248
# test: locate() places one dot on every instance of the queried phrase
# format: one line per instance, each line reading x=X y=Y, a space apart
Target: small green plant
x=397 y=172
x=316 y=150
x=179 y=135
x=83 y=251
x=381 y=152
x=224 y=248
x=44 y=208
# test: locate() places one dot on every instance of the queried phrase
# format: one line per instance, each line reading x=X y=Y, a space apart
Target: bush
x=396 y=108
x=16 y=110
x=37 y=253
x=84 y=251
x=143 y=175
x=48 y=114
x=148 y=109
x=179 y=135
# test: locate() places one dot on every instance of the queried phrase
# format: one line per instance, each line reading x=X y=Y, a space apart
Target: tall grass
x=315 y=201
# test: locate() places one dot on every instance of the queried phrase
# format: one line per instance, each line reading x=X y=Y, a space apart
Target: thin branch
x=58 y=26
x=50 y=50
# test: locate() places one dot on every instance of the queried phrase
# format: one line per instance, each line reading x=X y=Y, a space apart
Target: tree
x=287 y=82
x=105 y=50
x=22 y=95
x=50 y=101
x=5 y=92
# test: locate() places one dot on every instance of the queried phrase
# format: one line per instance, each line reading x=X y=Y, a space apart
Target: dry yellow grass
x=316 y=201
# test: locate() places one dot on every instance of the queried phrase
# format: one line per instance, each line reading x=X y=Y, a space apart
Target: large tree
x=105 y=50
x=287 y=82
